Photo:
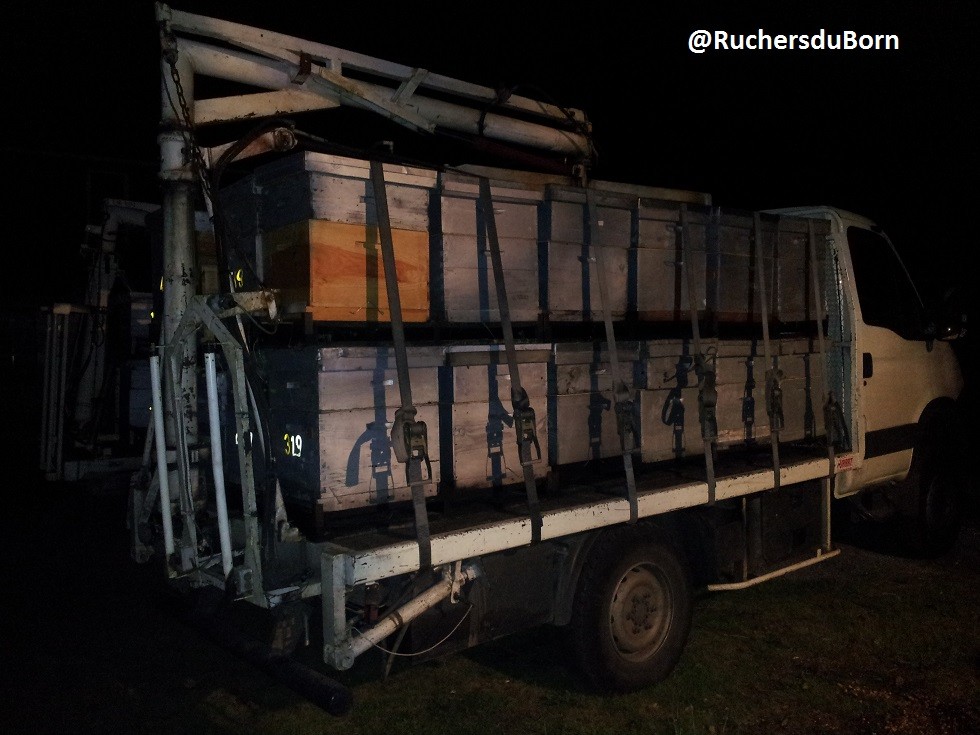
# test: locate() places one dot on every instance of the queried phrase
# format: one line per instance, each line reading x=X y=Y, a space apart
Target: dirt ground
x=868 y=642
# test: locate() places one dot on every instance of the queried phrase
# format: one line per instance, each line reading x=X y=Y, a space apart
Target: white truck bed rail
x=343 y=568
x=375 y=564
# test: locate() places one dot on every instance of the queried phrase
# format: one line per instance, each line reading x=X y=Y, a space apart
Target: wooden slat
x=337 y=268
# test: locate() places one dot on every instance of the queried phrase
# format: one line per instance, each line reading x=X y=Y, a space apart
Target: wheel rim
x=640 y=612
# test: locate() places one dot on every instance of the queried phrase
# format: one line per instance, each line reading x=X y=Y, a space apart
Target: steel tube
x=159 y=438
x=825 y=510
x=326 y=693
x=408 y=612
x=217 y=463
x=178 y=182
x=60 y=402
x=238 y=66
x=733 y=586
x=48 y=412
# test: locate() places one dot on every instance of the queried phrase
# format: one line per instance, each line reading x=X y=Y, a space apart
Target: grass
x=863 y=643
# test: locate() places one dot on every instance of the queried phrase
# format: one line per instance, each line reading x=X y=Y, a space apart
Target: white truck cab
x=899 y=379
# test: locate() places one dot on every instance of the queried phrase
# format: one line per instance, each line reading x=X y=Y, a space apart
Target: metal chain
x=188 y=127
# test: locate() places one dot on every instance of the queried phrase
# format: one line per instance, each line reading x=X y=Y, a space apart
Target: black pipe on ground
x=326 y=693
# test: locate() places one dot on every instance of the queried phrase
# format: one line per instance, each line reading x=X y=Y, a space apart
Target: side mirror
x=949 y=321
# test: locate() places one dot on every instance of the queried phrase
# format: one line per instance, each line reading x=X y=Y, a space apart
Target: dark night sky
x=888 y=134
x=892 y=135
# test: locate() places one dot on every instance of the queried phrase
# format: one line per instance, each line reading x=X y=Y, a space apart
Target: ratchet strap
x=623 y=400
x=409 y=437
x=830 y=407
x=707 y=387
x=774 y=391
x=525 y=422
x=672 y=413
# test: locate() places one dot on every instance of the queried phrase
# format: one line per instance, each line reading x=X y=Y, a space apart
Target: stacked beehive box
x=466 y=291
x=312 y=223
x=569 y=263
x=310 y=220
x=483 y=444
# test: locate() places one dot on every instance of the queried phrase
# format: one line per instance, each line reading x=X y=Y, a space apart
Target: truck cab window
x=885 y=292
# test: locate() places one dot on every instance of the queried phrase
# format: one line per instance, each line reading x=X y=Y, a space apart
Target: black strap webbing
x=409 y=439
x=773 y=373
x=829 y=400
x=524 y=419
x=707 y=388
x=623 y=401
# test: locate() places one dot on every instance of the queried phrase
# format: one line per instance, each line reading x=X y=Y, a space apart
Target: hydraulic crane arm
x=290 y=75
x=304 y=76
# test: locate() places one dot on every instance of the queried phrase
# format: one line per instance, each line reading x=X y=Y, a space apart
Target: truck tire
x=937 y=483
x=632 y=610
x=938 y=519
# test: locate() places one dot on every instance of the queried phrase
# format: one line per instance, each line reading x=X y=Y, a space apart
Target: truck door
x=896 y=371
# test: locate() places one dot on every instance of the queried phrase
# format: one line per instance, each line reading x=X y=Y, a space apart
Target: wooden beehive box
x=312 y=217
x=334 y=270
x=468 y=285
x=582 y=411
x=484 y=440
x=661 y=272
x=333 y=409
x=570 y=262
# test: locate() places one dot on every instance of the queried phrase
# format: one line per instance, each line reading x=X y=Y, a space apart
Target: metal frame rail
x=345 y=568
x=183 y=558
x=302 y=75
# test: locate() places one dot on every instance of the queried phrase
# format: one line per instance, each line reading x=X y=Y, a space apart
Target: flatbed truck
x=691 y=389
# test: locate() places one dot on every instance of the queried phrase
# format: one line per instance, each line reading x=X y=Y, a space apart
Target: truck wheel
x=632 y=610
x=938 y=520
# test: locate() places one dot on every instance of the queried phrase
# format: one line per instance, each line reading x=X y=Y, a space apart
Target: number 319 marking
x=294 y=445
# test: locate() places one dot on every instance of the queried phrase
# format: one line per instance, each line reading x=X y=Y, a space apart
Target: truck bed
x=476 y=526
